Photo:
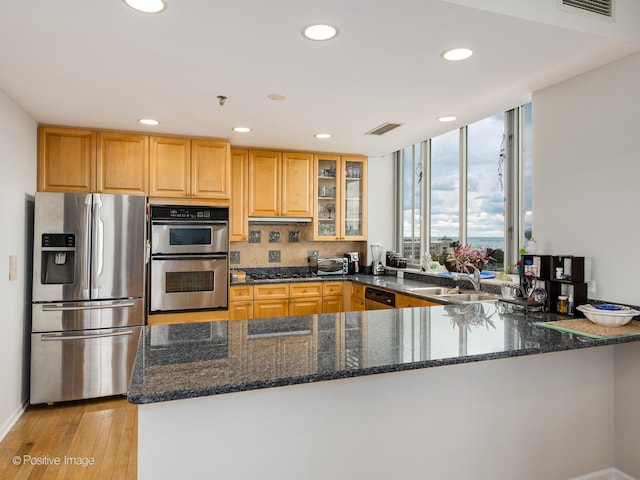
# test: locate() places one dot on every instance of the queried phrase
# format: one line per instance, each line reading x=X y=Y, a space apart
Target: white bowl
x=608 y=318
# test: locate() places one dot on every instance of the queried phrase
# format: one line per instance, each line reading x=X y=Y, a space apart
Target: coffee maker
x=354 y=262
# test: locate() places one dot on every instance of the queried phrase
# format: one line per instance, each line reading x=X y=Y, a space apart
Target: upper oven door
x=189 y=282
x=175 y=237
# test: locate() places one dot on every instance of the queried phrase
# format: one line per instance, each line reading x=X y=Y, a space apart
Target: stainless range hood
x=278 y=220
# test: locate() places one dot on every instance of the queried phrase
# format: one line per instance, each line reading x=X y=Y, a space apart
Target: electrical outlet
x=13 y=267
x=313 y=253
x=591 y=286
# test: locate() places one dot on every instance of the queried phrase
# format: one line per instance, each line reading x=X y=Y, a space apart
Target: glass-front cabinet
x=340 y=199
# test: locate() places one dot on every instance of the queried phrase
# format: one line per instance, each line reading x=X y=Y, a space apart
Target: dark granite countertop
x=199 y=359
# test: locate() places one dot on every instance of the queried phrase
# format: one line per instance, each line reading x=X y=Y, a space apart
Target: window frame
x=513 y=177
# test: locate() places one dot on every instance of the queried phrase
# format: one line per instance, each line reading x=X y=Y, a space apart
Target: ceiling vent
x=384 y=128
x=602 y=8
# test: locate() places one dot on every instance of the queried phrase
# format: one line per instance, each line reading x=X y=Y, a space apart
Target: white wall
x=586 y=176
x=380 y=203
x=535 y=417
x=627 y=418
x=18 y=160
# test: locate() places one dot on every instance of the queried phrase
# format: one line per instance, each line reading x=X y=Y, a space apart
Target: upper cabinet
x=171 y=167
x=122 y=163
x=280 y=184
x=66 y=160
x=238 y=205
x=210 y=169
x=340 y=199
x=189 y=168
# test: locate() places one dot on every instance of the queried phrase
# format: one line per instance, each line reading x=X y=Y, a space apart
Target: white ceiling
x=100 y=64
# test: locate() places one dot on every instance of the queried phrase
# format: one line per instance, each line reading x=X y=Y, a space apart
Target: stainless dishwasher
x=376 y=299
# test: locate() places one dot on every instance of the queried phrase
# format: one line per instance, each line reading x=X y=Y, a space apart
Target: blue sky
x=485 y=197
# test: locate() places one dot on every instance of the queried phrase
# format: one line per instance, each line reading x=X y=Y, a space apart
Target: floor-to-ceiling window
x=455 y=189
x=485 y=186
x=445 y=192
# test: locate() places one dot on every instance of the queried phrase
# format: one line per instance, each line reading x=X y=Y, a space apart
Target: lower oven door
x=78 y=364
x=188 y=282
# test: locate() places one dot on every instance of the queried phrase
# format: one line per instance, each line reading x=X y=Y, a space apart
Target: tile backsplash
x=292 y=243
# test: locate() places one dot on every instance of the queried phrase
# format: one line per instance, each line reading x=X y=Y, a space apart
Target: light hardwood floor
x=105 y=430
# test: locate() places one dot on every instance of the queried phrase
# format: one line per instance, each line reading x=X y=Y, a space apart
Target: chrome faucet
x=475 y=280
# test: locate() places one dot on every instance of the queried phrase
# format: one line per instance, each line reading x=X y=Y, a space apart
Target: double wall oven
x=189 y=258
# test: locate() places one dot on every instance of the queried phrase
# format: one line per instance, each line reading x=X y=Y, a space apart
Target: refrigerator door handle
x=64 y=308
x=85 y=280
x=62 y=337
x=97 y=244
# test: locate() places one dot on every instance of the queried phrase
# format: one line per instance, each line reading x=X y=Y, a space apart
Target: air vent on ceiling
x=598 y=7
x=384 y=128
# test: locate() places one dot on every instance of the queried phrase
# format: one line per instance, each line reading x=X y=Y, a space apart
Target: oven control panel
x=172 y=212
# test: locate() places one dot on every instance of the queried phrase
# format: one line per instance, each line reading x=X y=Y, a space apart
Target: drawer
x=298 y=290
x=271 y=291
x=331 y=289
x=240 y=292
x=357 y=290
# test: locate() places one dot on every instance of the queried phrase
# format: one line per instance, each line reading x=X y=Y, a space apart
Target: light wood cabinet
x=332 y=298
x=357 y=297
x=280 y=184
x=66 y=160
x=122 y=164
x=271 y=300
x=406 y=301
x=297 y=184
x=241 y=310
x=340 y=197
x=210 y=169
x=305 y=298
x=240 y=302
x=170 y=167
x=189 y=168
x=239 y=204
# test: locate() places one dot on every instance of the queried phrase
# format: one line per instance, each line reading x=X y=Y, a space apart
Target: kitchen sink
x=470 y=297
x=430 y=290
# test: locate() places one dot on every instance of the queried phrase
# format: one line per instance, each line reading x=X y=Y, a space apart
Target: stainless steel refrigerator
x=88 y=294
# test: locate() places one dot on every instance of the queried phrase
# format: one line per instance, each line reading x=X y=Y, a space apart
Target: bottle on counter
x=562 y=304
x=570 y=305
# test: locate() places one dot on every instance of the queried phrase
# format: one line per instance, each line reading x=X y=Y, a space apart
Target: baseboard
x=606 y=474
x=11 y=421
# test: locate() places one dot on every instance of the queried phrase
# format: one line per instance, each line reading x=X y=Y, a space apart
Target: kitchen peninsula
x=456 y=391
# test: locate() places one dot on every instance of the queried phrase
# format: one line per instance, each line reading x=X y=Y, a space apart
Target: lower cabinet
x=332 y=298
x=305 y=298
x=240 y=302
x=271 y=300
x=357 y=298
x=406 y=301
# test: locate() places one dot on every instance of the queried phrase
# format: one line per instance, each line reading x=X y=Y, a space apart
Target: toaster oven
x=332 y=266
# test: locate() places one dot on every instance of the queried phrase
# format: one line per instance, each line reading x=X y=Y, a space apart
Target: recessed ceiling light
x=322 y=135
x=149 y=121
x=241 y=129
x=447 y=118
x=147 y=6
x=319 y=32
x=276 y=97
x=457 y=54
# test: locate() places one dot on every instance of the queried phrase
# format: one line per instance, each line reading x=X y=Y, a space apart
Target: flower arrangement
x=465 y=258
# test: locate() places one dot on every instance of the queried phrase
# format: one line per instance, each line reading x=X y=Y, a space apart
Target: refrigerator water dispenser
x=58 y=256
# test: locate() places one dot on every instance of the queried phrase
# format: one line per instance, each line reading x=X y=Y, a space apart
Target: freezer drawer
x=74 y=365
x=59 y=316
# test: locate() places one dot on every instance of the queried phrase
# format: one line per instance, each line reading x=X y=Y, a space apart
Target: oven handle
x=48 y=338
x=189 y=223
x=213 y=256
